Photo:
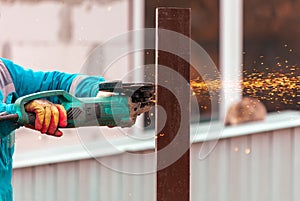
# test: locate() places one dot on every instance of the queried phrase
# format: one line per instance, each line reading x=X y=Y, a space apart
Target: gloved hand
x=48 y=116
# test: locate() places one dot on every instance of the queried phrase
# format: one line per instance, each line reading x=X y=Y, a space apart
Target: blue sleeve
x=88 y=87
x=27 y=81
x=6 y=126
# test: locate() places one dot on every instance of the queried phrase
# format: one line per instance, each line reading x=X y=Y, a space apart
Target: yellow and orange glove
x=49 y=116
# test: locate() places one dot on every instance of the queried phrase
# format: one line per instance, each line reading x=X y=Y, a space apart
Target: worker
x=15 y=81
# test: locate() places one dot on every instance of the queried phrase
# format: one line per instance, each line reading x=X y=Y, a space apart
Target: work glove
x=49 y=116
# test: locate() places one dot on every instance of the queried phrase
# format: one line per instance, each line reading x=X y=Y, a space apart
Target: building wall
x=59 y=35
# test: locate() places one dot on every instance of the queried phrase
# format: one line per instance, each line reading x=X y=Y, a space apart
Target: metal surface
x=173 y=176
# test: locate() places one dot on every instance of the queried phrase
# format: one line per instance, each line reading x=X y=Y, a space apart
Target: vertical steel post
x=173 y=178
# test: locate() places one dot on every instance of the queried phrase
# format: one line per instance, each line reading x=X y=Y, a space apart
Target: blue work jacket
x=15 y=81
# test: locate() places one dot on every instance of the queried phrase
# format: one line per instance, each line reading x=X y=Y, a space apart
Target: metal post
x=173 y=178
x=231 y=43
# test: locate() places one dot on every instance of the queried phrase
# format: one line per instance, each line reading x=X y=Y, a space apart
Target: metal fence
x=259 y=166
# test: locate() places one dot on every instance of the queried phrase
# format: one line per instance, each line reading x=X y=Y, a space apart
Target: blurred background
x=60 y=35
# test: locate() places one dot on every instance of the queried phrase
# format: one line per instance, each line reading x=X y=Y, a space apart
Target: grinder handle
x=24 y=117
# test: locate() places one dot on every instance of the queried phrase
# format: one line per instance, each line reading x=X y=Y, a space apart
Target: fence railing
x=255 y=161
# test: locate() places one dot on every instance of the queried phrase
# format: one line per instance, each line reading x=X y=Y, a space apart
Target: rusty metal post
x=173 y=122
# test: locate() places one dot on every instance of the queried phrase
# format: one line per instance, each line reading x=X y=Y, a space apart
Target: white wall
x=50 y=35
x=59 y=35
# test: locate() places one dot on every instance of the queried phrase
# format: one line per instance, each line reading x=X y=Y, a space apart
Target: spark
x=247 y=151
x=272 y=86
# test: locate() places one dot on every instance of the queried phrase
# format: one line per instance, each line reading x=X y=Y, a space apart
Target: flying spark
x=273 y=86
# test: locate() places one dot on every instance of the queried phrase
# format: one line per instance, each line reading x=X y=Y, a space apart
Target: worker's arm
x=48 y=115
x=6 y=127
x=27 y=81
